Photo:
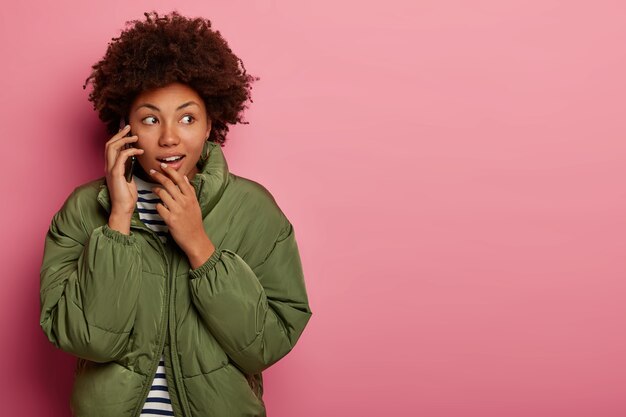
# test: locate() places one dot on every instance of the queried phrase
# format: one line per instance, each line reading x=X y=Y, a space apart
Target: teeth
x=172 y=158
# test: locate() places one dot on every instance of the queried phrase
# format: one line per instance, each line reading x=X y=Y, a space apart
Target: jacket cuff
x=117 y=236
x=207 y=266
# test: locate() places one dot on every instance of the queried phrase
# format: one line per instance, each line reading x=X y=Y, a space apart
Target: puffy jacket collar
x=212 y=177
x=209 y=182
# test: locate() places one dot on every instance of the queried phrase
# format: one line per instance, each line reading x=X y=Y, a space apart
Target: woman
x=177 y=286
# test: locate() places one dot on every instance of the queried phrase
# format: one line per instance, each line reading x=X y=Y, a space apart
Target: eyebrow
x=182 y=106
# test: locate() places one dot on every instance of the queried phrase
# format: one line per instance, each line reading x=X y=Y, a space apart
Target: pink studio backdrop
x=454 y=171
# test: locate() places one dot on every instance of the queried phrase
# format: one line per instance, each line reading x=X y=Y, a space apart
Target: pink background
x=454 y=170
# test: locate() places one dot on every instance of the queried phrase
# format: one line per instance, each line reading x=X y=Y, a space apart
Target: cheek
x=145 y=162
x=197 y=150
x=145 y=145
x=147 y=157
x=195 y=144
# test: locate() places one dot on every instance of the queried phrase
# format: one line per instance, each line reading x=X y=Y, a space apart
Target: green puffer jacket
x=118 y=302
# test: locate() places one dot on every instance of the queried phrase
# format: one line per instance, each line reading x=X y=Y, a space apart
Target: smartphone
x=129 y=165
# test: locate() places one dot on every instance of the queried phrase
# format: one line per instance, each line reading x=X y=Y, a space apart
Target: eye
x=187 y=119
x=150 y=120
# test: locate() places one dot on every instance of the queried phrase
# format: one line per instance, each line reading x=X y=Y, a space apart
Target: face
x=172 y=126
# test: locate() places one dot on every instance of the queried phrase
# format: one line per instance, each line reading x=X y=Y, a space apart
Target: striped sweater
x=158 y=402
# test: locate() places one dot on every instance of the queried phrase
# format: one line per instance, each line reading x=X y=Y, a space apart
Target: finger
x=167 y=183
x=178 y=179
x=123 y=132
x=166 y=198
x=163 y=212
x=121 y=143
x=119 y=165
x=192 y=190
x=188 y=188
x=113 y=149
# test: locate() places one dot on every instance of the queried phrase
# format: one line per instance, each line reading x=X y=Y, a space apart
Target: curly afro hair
x=165 y=49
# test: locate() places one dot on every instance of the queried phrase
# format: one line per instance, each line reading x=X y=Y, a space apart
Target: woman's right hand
x=123 y=194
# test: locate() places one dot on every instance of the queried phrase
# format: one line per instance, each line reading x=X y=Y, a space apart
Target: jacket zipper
x=163 y=329
x=182 y=398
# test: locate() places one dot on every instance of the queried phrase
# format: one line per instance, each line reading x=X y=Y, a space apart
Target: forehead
x=168 y=98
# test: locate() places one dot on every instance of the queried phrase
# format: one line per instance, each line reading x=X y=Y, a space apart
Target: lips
x=173 y=161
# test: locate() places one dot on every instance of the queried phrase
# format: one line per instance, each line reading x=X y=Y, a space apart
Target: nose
x=169 y=136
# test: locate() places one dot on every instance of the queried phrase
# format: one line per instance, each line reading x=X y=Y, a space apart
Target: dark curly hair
x=165 y=49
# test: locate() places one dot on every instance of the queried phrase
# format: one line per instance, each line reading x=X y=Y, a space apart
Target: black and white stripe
x=146 y=206
x=158 y=402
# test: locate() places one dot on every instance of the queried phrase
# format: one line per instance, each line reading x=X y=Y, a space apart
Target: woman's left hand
x=181 y=211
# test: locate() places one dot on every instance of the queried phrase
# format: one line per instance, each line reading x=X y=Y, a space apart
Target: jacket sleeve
x=256 y=315
x=89 y=287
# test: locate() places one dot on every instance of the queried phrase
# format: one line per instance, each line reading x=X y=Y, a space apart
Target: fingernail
x=152 y=171
x=163 y=165
x=187 y=179
x=126 y=127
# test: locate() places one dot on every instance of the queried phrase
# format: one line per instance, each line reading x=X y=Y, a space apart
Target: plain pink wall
x=454 y=170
